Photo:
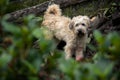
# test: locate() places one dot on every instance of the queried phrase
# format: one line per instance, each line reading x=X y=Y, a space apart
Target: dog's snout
x=80 y=32
x=73 y=56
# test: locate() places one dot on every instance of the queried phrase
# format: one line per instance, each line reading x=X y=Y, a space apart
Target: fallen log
x=40 y=8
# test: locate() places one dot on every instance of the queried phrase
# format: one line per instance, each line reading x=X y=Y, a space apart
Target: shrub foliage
x=20 y=60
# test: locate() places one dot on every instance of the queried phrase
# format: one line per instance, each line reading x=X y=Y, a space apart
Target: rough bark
x=38 y=9
x=104 y=25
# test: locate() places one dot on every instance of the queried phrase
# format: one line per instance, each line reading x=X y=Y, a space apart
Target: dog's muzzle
x=80 y=33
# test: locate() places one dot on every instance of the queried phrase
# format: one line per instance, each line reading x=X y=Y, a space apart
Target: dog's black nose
x=80 y=32
x=73 y=56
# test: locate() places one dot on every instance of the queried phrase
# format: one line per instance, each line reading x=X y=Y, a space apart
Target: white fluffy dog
x=72 y=31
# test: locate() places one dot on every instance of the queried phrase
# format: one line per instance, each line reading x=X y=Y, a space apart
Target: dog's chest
x=81 y=42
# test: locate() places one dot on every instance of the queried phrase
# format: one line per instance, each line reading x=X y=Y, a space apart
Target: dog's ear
x=71 y=25
x=88 y=21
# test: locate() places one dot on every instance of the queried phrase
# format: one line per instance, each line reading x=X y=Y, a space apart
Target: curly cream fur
x=60 y=27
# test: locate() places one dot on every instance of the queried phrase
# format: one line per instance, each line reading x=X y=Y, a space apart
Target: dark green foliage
x=20 y=57
x=19 y=60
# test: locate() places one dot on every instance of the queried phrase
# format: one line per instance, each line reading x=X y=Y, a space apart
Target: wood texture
x=38 y=9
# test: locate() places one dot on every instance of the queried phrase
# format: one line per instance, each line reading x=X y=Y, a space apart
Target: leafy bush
x=19 y=60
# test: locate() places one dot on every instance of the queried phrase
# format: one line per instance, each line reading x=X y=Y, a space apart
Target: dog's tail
x=53 y=9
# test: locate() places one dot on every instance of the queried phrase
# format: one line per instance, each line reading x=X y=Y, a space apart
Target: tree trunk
x=38 y=9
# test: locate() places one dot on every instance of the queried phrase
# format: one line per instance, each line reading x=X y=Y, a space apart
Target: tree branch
x=38 y=9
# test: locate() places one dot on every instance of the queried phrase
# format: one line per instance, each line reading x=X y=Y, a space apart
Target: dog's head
x=79 y=25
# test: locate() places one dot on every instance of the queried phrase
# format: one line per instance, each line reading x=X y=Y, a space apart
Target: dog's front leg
x=69 y=50
x=79 y=54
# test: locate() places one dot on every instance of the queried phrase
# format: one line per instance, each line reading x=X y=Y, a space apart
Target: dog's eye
x=77 y=25
x=83 y=24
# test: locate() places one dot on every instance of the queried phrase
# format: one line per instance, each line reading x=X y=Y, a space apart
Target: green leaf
x=31 y=21
x=37 y=64
x=33 y=78
x=109 y=68
x=9 y=27
x=37 y=33
x=69 y=67
x=98 y=36
x=29 y=66
x=5 y=59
